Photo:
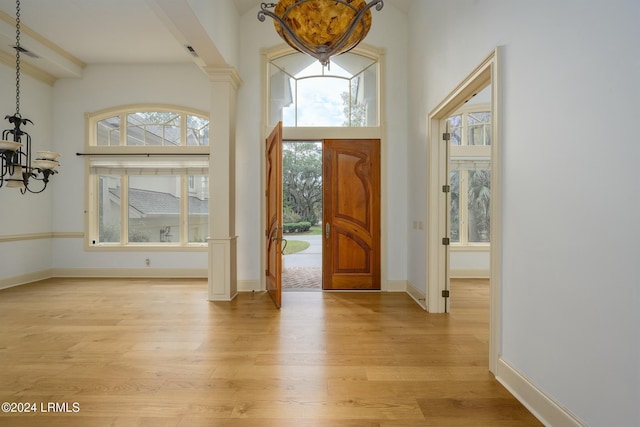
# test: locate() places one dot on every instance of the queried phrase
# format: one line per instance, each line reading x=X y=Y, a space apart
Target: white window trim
x=98 y=160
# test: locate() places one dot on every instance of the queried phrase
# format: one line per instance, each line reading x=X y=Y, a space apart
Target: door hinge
x=446 y=189
x=445 y=293
x=446 y=136
x=266 y=272
x=446 y=241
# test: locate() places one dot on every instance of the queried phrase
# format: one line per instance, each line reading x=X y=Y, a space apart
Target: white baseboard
x=10 y=282
x=469 y=274
x=249 y=285
x=417 y=295
x=135 y=273
x=550 y=413
x=223 y=298
x=255 y=285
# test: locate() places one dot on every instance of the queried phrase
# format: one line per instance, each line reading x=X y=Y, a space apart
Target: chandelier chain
x=18 y=58
x=16 y=168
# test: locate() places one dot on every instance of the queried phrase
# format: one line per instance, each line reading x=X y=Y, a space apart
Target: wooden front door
x=273 y=232
x=351 y=214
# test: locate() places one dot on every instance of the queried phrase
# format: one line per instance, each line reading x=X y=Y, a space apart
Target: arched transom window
x=304 y=93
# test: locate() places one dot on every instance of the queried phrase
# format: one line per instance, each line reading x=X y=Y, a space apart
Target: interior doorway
x=469 y=191
x=439 y=199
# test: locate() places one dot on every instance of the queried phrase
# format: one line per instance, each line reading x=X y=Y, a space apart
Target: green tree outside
x=302 y=181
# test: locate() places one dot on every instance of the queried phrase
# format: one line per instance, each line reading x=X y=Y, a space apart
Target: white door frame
x=437 y=210
x=321 y=133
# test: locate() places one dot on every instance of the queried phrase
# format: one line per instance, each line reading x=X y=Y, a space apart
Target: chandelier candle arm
x=321 y=28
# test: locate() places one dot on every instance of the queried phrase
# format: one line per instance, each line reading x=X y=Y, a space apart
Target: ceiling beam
x=180 y=19
x=52 y=62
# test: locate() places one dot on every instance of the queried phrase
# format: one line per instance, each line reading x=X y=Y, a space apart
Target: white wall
x=101 y=87
x=472 y=264
x=29 y=213
x=388 y=31
x=570 y=293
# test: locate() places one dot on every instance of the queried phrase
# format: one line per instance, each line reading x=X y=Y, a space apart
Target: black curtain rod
x=142 y=154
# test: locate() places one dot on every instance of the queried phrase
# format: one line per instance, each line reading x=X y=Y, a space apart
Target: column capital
x=223 y=75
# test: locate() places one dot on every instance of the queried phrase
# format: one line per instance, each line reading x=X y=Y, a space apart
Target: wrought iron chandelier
x=16 y=168
x=321 y=28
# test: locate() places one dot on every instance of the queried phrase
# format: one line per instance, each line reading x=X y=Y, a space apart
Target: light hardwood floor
x=155 y=352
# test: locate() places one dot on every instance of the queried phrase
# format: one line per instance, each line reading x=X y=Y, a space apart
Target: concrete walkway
x=310 y=257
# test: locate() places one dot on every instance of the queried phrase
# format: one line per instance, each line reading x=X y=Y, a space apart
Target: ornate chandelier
x=16 y=168
x=321 y=28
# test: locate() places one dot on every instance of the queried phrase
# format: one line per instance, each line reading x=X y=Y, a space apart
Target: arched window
x=148 y=177
x=304 y=93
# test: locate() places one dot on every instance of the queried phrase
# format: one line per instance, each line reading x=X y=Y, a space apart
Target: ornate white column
x=222 y=186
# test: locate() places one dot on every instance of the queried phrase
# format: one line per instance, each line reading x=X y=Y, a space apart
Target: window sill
x=199 y=247
x=477 y=247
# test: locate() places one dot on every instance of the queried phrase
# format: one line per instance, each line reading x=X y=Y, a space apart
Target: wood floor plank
x=148 y=352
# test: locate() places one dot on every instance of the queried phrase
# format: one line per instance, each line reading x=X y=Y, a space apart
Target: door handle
x=274 y=235
x=327 y=230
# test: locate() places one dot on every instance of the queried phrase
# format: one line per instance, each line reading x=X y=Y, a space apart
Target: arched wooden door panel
x=351 y=214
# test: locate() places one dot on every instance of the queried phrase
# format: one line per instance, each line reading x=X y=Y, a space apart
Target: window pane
x=322 y=101
x=455 y=129
x=281 y=96
x=198 y=208
x=108 y=131
x=479 y=205
x=153 y=128
x=370 y=96
x=108 y=209
x=479 y=128
x=154 y=209
x=364 y=101
x=304 y=93
x=197 y=130
x=454 y=206
x=287 y=112
x=480 y=135
x=479 y=117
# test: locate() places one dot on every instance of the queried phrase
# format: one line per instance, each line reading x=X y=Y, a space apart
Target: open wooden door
x=273 y=232
x=351 y=214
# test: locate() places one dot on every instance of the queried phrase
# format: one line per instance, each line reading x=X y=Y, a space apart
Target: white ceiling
x=103 y=31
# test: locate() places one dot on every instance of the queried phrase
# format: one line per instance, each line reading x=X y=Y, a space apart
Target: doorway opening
x=469 y=191
x=330 y=215
x=302 y=215
x=351 y=214
x=481 y=173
